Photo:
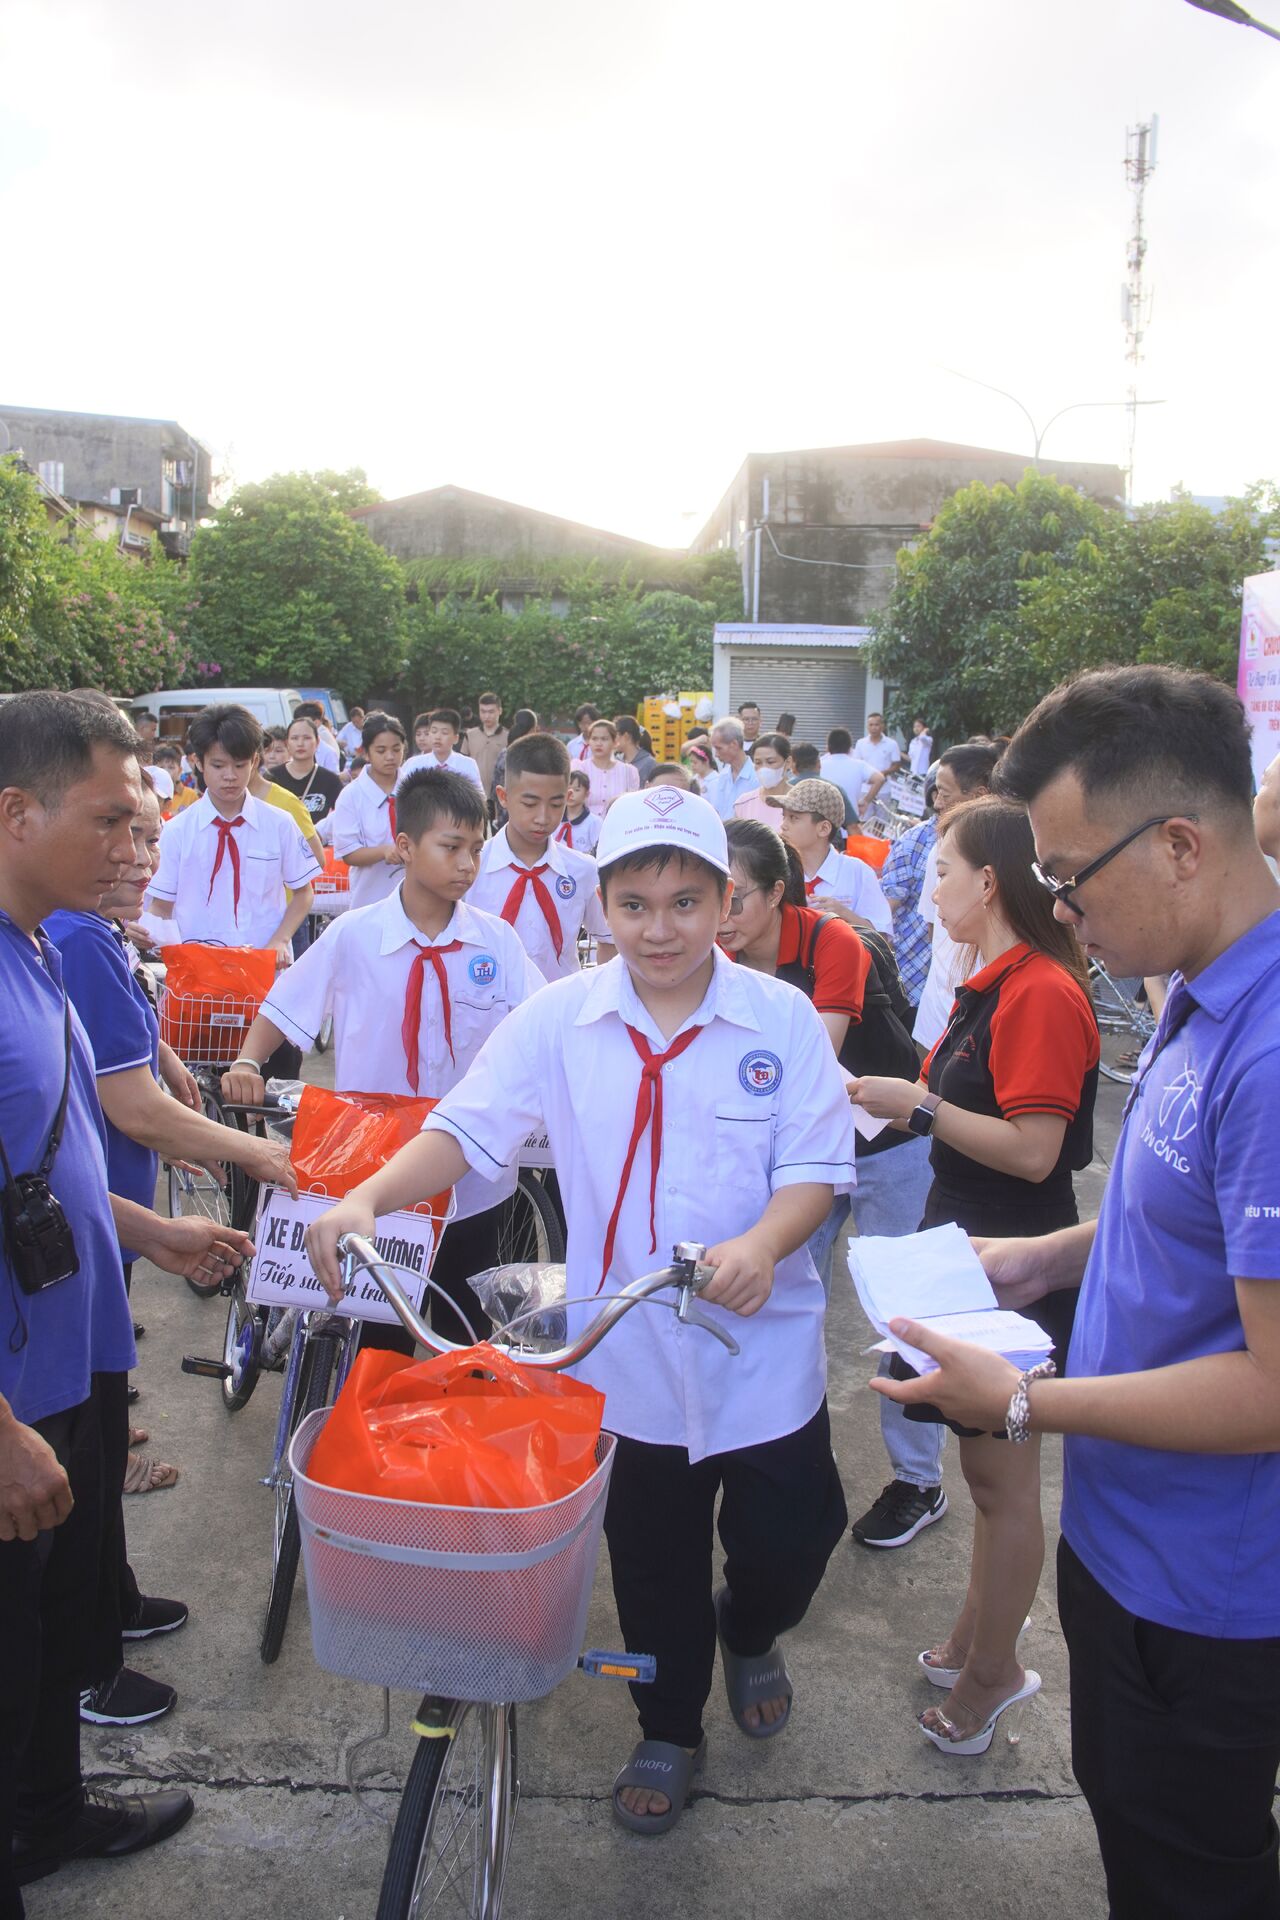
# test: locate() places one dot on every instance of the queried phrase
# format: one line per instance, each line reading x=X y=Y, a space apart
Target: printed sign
x=281 y=1274
x=905 y=796
x=1258 y=682
x=536 y=1151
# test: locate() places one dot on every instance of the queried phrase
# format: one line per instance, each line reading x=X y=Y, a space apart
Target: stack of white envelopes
x=937 y=1278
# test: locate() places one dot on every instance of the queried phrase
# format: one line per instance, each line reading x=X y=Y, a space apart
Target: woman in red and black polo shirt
x=1007 y=1099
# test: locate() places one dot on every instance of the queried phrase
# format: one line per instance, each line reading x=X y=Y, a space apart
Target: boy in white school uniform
x=414 y=984
x=443 y=731
x=812 y=822
x=744 y=1155
x=227 y=863
x=580 y=829
x=364 y=818
x=544 y=889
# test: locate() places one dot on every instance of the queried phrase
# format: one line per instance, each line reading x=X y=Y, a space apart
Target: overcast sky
x=585 y=255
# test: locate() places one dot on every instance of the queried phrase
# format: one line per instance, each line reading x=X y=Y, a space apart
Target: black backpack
x=881 y=1043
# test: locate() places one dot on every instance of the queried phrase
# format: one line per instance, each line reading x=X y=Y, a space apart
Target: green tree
x=288 y=587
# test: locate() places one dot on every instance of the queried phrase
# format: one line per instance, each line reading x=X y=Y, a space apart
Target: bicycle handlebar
x=684 y=1273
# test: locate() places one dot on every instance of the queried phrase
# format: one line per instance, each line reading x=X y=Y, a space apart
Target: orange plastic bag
x=340 y=1139
x=469 y=1429
x=866 y=846
x=336 y=877
x=211 y=995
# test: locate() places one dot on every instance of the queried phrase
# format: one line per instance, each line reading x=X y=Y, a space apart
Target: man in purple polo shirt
x=1138 y=785
x=69 y=791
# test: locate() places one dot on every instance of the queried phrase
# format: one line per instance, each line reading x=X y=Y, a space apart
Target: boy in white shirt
x=443 y=731
x=812 y=823
x=364 y=819
x=545 y=890
x=228 y=862
x=754 y=1138
x=579 y=830
x=857 y=780
x=414 y=985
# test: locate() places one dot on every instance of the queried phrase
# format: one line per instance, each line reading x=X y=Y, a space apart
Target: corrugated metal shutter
x=823 y=690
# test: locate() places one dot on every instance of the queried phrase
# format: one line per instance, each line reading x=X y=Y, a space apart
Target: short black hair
x=433 y=793
x=580 y=777
x=447 y=716
x=778 y=742
x=669 y=767
x=625 y=723
x=379 y=723
x=803 y=755
x=749 y=706
x=232 y=728
x=1178 y=739
x=308 y=710
x=355 y=708
x=47 y=742
x=421 y=720
x=538 y=753
x=767 y=859
x=488 y=700
x=274 y=734
x=657 y=860
x=586 y=710
x=973 y=764
x=839 y=740
x=166 y=750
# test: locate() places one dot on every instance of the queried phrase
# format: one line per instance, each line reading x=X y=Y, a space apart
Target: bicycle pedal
x=639 y=1668
x=208 y=1369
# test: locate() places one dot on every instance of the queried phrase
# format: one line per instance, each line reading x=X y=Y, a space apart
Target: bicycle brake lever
x=688 y=1310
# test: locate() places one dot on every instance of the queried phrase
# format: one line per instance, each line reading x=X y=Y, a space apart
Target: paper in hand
x=935 y=1277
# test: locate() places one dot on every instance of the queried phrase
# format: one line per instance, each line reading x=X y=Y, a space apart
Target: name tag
x=281 y=1274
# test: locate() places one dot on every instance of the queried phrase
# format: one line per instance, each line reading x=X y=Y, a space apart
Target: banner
x=281 y=1274
x=1259 y=679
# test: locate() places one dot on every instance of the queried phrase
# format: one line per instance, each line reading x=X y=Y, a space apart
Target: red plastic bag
x=469 y=1429
x=341 y=1139
x=336 y=877
x=211 y=997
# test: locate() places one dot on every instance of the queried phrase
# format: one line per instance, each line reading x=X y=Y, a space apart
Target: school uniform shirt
x=99 y=972
x=359 y=975
x=350 y=739
x=1022 y=1038
x=754 y=1103
x=327 y=754
x=1189 y=1540
x=853 y=776
x=456 y=763
x=577 y=748
x=272 y=856
x=570 y=884
x=843 y=877
x=883 y=754
x=920 y=753
x=581 y=835
x=56 y=1339
x=362 y=818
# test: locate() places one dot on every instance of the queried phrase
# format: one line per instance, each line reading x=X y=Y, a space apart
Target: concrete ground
x=851 y=1806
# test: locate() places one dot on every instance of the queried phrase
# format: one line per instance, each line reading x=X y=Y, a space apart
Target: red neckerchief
x=226 y=840
x=648 y=1106
x=531 y=877
x=411 y=1025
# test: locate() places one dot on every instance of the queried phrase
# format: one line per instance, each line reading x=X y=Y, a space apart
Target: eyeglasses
x=735 y=905
x=1063 y=890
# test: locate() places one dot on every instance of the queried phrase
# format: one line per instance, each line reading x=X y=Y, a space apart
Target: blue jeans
x=890 y=1197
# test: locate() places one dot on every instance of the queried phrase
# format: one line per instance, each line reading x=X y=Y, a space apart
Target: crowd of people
x=790 y=1022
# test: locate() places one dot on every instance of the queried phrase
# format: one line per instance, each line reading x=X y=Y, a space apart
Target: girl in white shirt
x=364 y=820
x=609 y=777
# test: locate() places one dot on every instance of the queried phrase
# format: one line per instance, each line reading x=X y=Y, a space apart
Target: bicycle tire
x=241 y=1348
x=313 y=1392
x=201 y=1195
x=530 y=1227
x=418 y=1847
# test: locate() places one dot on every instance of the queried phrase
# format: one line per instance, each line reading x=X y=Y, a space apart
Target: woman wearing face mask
x=1006 y=1098
x=769 y=758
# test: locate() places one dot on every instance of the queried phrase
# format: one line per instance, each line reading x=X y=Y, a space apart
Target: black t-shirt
x=318 y=792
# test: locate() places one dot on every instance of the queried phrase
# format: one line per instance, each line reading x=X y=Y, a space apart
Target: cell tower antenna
x=1139 y=165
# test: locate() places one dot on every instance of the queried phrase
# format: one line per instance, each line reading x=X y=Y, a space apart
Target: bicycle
x=1124 y=1025
x=464 y=1603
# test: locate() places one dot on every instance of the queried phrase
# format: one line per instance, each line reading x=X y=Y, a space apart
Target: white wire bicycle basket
x=472 y=1603
x=206 y=1029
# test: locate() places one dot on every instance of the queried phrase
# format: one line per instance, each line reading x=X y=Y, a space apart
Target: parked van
x=176 y=709
x=335 y=707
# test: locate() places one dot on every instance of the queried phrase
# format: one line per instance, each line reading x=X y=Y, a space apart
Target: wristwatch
x=920 y=1121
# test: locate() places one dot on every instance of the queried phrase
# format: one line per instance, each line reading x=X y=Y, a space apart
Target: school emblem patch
x=483 y=970
x=566 y=886
x=760 y=1072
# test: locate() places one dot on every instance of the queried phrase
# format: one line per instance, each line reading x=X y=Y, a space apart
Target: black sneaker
x=901 y=1512
x=127 y=1701
x=107 y=1825
x=154 y=1616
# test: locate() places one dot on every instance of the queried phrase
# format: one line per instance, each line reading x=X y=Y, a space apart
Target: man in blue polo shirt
x=1138 y=785
x=69 y=791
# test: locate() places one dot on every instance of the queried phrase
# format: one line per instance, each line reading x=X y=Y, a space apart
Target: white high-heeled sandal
x=947 y=1676
x=980 y=1741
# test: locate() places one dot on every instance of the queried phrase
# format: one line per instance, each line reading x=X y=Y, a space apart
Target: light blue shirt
x=723 y=789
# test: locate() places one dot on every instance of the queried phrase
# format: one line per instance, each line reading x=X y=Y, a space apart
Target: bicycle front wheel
x=529 y=1226
x=453 y=1832
x=313 y=1392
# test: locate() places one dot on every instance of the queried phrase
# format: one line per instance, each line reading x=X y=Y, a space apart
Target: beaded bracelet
x=1017 y=1422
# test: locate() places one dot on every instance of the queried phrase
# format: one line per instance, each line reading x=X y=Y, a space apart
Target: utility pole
x=1139 y=165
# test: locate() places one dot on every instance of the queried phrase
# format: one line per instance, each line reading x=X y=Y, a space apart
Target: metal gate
x=823 y=690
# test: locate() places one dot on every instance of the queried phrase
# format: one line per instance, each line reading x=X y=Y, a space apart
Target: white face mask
x=770 y=776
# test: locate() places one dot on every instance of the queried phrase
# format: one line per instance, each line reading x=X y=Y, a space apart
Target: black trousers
x=48 y=1589
x=1175 y=1742
x=782 y=1511
x=118 y=1594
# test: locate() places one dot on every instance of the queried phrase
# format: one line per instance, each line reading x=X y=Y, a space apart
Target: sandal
x=144 y=1475
x=750 y=1678
x=138 y=1437
x=663 y=1768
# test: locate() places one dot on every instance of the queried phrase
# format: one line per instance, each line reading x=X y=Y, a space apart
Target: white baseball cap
x=663 y=817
